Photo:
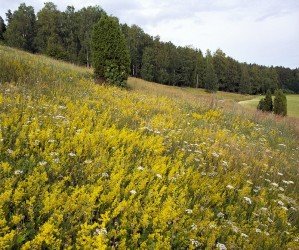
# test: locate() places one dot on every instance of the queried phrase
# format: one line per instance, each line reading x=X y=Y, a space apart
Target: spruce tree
x=110 y=54
x=280 y=103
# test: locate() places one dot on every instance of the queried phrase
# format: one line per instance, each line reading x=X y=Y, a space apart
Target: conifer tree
x=266 y=104
x=110 y=54
x=280 y=103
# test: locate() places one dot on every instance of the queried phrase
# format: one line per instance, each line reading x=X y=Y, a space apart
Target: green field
x=88 y=166
x=292 y=104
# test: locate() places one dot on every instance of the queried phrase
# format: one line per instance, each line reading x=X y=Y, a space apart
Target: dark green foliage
x=137 y=41
x=211 y=81
x=220 y=64
x=20 y=31
x=280 y=103
x=110 y=54
x=86 y=18
x=266 y=104
x=67 y=36
x=147 y=71
x=2 y=28
x=49 y=33
x=244 y=87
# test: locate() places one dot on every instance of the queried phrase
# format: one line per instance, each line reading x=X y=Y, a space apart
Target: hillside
x=85 y=166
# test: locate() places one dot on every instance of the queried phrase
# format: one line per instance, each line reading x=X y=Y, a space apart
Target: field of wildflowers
x=84 y=166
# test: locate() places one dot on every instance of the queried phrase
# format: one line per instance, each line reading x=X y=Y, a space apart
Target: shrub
x=266 y=103
x=280 y=103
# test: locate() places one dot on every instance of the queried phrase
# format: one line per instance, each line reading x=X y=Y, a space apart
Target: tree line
x=67 y=35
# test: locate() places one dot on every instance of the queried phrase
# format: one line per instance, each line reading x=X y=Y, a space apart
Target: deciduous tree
x=20 y=31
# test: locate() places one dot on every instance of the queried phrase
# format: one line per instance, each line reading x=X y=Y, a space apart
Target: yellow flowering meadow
x=84 y=166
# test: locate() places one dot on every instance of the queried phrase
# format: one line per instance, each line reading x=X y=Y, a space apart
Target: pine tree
x=266 y=104
x=110 y=54
x=211 y=81
x=280 y=103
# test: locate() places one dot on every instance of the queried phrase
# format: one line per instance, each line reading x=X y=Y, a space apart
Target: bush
x=266 y=103
x=280 y=103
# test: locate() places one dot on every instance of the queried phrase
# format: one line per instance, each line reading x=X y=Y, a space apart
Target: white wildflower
x=58 y=117
x=159 y=176
x=230 y=187
x=88 y=161
x=280 y=203
x=172 y=179
x=221 y=246
x=18 y=171
x=248 y=200
x=100 y=231
x=72 y=154
x=215 y=154
x=212 y=225
x=281 y=189
x=281 y=174
x=195 y=242
x=220 y=215
x=257 y=230
x=9 y=151
x=51 y=141
x=194 y=226
x=140 y=168
x=133 y=191
x=249 y=182
x=284 y=208
x=105 y=175
x=224 y=163
x=54 y=154
x=274 y=184
x=266 y=233
x=56 y=160
x=203 y=173
x=188 y=211
x=270 y=220
x=244 y=235
x=42 y=163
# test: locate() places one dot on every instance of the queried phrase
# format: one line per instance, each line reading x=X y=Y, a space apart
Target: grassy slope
x=292 y=102
x=153 y=167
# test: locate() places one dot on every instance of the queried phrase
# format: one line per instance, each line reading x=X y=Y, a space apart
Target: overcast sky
x=255 y=31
